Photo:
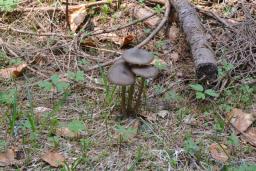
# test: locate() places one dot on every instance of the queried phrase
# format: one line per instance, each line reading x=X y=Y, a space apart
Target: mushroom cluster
x=134 y=62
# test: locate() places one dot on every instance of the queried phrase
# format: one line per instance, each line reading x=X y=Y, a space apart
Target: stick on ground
x=204 y=57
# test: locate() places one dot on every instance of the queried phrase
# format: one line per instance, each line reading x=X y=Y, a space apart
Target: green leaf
x=211 y=92
x=45 y=85
x=200 y=95
x=126 y=133
x=197 y=87
x=76 y=126
x=8 y=97
x=71 y=75
x=190 y=146
x=8 y=5
x=79 y=76
x=233 y=139
x=55 y=79
x=61 y=86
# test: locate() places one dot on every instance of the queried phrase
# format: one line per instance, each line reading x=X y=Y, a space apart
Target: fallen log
x=204 y=57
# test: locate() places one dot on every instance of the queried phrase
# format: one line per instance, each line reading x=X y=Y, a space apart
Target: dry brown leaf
x=89 y=42
x=126 y=40
x=174 y=56
x=53 y=158
x=113 y=37
x=218 y=153
x=7 y=158
x=251 y=136
x=240 y=120
x=149 y=116
x=66 y=133
x=76 y=17
x=141 y=12
x=173 y=33
x=12 y=72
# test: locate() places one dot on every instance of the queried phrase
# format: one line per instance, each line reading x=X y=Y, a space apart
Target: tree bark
x=204 y=57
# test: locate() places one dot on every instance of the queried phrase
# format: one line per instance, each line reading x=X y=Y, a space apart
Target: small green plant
x=3 y=145
x=160 y=65
x=55 y=141
x=16 y=61
x=73 y=166
x=233 y=140
x=160 y=44
x=124 y=133
x=142 y=2
x=225 y=69
x=76 y=126
x=55 y=82
x=8 y=5
x=108 y=90
x=147 y=30
x=137 y=158
x=83 y=62
x=158 y=9
x=171 y=96
x=190 y=146
x=201 y=93
x=76 y=76
x=158 y=89
x=86 y=145
x=105 y=9
x=219 y=125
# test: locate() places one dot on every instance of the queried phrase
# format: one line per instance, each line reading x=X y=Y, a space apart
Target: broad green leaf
x=61 y=86
x=55 y=79
x=197 y=87
x=79 y=76
x=233 y=139
x=200 y=95
x=45 y=85
x=211 y=92
x=190 y=146
x=76 y=126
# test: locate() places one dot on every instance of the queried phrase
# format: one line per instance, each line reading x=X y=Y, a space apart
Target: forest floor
x=58 y=110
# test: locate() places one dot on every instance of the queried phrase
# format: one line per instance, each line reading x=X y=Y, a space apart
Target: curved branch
x=158 y=28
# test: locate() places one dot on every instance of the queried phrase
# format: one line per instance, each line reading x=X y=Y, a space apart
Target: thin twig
x=87 y=5
x=158 y=28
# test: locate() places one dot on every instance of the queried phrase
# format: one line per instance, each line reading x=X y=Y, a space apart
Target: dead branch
x=204 y=57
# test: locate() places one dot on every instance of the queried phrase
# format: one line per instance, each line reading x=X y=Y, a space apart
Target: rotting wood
x=204 y=57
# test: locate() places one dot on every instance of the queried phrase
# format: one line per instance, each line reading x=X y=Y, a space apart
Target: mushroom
x=121 y=75
x=137 y=56
x=144 y=72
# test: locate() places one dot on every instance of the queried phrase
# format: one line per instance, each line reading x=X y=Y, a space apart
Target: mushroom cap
x=145 y=71
x=137 y=56
x=120 y=74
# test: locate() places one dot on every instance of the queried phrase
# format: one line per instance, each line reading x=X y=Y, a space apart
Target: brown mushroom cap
x=137 y=56
x=145 y=71
x=120 y=74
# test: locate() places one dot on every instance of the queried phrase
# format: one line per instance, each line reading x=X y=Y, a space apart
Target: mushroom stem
x=130 y=97
x=123 y=110
x=138 y=100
